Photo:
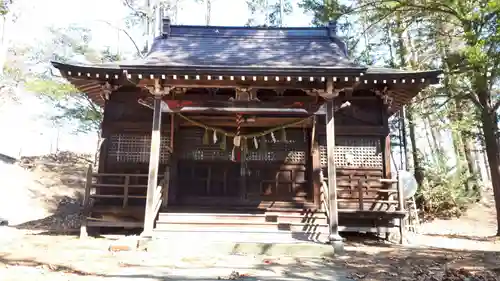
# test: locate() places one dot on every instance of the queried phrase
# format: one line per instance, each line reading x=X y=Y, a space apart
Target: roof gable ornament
x=158 y=89
x=384 y=95
x=328 y=93
x=245 y=94
x=332 y=33
x=107 y=90
x=166 y=29
x=332 y=28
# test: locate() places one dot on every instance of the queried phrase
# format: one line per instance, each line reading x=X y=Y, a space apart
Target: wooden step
x=117 y=196
x=241 y=226
x=254 y=218
x=250 y=205
x=122 y=185
x=240 y=210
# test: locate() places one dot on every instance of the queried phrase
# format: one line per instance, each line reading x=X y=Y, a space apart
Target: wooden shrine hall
x=248 y=130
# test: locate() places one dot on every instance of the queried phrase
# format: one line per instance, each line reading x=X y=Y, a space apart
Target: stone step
x=239 y=235
x=186 y=244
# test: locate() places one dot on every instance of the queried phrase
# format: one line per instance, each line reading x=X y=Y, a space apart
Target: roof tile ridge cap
x=245 y=36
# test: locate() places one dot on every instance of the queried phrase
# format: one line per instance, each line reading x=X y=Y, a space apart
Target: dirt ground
x=442 y=245
x=463 y=243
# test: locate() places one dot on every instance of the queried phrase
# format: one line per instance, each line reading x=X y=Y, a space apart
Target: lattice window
x=353 y=152
x=191 y=146
x=136 y=148
x=291 y=151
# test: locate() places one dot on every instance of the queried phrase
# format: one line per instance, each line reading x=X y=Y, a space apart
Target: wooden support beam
x=316 y=165
x=154 y=160
x=386 y=152
x=174 y=186
x=401 y=208
x=334 y=236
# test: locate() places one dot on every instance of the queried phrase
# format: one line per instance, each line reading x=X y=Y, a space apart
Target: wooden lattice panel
x=291 y=151
x=353 y=152
x=191 y=146
x=135 y=148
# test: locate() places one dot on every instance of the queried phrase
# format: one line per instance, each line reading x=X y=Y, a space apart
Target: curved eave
x=92 y=88
x=403 y=86
x=117 y=70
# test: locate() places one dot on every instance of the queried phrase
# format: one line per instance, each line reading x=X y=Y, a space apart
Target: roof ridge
x=245 y=36
x=249 y=27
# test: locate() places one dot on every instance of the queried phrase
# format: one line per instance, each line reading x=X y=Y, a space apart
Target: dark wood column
x=334 y=236
x=154 y=161
x=316 y=166
x=173 y=186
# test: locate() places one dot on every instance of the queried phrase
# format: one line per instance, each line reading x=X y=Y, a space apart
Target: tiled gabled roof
x=288 y=54
x=249 y=47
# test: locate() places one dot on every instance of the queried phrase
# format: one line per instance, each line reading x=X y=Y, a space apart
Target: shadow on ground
x=359 y=262
x=54 y=188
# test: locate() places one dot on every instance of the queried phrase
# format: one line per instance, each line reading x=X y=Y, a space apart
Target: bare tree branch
x=135 y=10
x=137 y=49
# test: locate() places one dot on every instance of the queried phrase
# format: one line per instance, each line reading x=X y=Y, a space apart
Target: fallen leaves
x=234 y=275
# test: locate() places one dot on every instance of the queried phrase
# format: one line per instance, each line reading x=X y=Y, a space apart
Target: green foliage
x=323 y=11
x=69 y=104
x=4 y=7
x=269 y=9
x=460 y=37
x=443 y=194
x=50 y=88
x=348 y=30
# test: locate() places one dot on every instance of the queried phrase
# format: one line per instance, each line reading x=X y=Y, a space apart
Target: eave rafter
x=394 y=89
x=101 y=74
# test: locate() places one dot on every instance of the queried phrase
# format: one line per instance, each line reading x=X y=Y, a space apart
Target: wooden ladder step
x=119 y=185
x=240 y=226
x=117 y=196
x=225 y=217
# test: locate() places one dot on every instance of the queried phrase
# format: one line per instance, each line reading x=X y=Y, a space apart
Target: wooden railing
x=126 y=184
x=85 y=208
x=160 y=196
x=360 y=188
x=98 y=185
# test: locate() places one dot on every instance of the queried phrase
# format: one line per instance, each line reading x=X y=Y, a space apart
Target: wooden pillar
x=173 y=186
x=316 y=170
x=386 y=144
x=243 y=170
x=334 y=236
x=154 y=161
x=103 y=146
x=401 y=208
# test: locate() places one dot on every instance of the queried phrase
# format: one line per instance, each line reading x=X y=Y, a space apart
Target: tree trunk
x=100 y=140
x=455 y=115
x=414 y=150
x=435 y=139
x=489 y=131
x=489 y=123
x=472 y=177
x=401 y=52
x=208 y=11
x=428 y=136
